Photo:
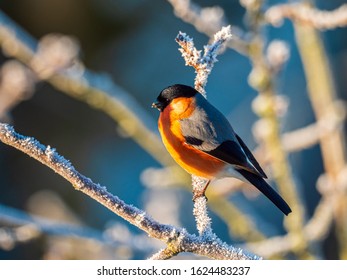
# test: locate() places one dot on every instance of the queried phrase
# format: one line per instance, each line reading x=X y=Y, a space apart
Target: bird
x=202 y=141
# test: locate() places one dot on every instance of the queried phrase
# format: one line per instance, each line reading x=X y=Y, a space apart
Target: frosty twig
x=202 y=64
x=305 y=14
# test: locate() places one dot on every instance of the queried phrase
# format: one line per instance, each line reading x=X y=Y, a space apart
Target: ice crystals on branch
x=202 y=64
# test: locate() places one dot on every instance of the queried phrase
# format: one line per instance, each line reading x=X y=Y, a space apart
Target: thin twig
x=36 y=226
x=163 y=254
x=308 y=15
x=208 y=20
x=203 y=65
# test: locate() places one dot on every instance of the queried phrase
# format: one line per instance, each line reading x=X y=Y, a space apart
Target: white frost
x=50 y=152
x=202 y=64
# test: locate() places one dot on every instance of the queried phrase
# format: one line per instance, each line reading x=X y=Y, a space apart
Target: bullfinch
x=202 y=141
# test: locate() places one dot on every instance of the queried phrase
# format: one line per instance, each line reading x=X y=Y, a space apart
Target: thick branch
x=49 y=157
x=322 y=94
x=177 y=238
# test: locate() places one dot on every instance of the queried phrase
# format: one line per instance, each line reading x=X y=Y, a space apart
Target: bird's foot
x=200 y=192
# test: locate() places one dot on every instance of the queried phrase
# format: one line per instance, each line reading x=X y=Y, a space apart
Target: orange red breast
x=189 y=158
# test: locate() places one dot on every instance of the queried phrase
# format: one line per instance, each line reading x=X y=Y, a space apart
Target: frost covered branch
x=308 y=15
x=177 y=239
x=200 y=211
x=25 y=227
x=202 y=64
x=41 y=225
x=49 y=157
x=207 y=20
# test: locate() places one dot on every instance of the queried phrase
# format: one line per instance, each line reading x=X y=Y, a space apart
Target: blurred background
x=132 y=43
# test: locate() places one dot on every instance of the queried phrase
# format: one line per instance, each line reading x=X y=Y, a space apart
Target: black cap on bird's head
x=170 y=93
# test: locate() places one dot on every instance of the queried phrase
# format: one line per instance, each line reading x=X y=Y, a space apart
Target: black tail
x=265 y=188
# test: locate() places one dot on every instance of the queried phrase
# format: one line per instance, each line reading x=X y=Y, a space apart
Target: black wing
x=251 y=157
x=207 y=130
x=232 y=153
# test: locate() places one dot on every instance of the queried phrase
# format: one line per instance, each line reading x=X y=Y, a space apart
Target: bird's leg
x=199 y=192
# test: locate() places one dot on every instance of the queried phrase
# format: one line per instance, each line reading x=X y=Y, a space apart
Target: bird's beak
x=156 y=105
